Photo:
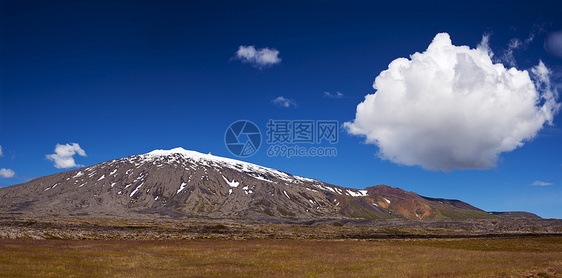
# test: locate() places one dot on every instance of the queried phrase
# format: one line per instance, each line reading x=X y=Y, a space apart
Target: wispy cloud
x=330 y=95
x=63 y=156
x=541 y=183
x=7 y=173
x=508 y=57
x=461 y=112
x=515 y=45
x=1 y=153
x=259 y=58
x=538 y=29
x=281 y=101
x=553 y=44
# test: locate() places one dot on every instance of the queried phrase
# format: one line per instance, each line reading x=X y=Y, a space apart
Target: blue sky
x=121 y=78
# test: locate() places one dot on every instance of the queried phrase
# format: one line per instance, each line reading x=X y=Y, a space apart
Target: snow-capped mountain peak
x=217 y=161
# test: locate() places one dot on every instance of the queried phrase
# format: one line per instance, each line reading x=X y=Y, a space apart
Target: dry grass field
x=482 y=257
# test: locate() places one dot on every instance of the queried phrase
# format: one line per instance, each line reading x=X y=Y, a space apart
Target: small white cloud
x=553 y=44
x=336 y=95
x=63 y=156
x=7 y=173
x=259 y=58
x=1 y=153
x=284 y=102
x=451 y=107
x=541 y=183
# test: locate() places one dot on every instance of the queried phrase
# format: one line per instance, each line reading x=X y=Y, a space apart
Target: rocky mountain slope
x=180 y=183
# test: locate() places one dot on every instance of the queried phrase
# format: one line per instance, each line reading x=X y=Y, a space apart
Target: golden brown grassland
x=482 y=257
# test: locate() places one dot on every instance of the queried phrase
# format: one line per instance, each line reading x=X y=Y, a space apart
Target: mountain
x=180 y=183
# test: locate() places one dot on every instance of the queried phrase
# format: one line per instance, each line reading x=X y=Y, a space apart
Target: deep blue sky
x=127 y=77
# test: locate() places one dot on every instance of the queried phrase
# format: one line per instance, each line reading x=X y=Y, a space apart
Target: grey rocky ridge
x=180 y=183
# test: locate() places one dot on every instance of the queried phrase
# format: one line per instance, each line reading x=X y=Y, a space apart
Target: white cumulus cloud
x=541 y=183
x=7 y=173
x=259 y=58
x=284 y=102
x=63 y=156
x=450 y=107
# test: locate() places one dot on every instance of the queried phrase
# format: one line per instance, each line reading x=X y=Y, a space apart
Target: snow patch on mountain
x=231 y=183
x=135 y=191
x=359 y=193
x=182 y=187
